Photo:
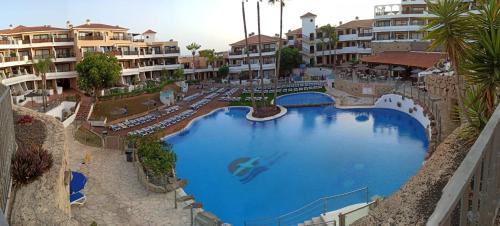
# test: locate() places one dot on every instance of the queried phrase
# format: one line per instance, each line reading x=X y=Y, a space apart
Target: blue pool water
x=243 y=170
x=309 y=98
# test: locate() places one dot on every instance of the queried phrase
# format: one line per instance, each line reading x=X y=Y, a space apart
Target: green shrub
x=157 y=159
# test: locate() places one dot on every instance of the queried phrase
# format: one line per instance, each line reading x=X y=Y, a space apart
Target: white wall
x=57 y=112
x=389 y=101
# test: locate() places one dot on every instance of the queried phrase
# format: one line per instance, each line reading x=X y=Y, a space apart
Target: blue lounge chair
x=78 y=181
x=77 y=198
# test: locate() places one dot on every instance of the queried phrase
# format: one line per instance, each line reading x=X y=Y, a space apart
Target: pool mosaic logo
x=248 y=168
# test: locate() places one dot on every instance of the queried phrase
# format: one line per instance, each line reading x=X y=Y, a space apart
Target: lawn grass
x=134 y=105
x=270 y=97
x=88 y=138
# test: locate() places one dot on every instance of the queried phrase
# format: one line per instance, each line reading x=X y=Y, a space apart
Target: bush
x=29 y=164
x=157 y=160
x=25 y=119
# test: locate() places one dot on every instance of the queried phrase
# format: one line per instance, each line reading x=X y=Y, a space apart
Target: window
x=290 y=37
x=416 y=35
x=42 y=53
x=383 y=23
x=42 y=36
x=383 y=36
x=89 y=49
x=400 y=22
x=63 y=67
x=62 y=52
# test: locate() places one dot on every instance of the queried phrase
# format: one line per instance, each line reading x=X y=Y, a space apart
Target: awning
x=410 y=59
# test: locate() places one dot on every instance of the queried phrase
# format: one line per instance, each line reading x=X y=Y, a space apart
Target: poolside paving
x=114 y=194
x=345 y=99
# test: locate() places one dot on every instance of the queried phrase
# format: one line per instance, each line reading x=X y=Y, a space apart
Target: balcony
x=90 y=38
x=65 y=55
x=64 y=39
x=253 y=53
x=167 y=51
x=41 y=40
x=38 y=57
x=129 y=53
x=396 y=11
x=118 y=38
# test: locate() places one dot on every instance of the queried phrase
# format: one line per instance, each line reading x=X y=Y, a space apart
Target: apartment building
x=140 y=55
x=237 y=56
x=354 y=41
x=398 y=27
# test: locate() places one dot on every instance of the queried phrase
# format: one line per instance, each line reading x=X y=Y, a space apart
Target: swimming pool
x=244 y=170
x=304 y=99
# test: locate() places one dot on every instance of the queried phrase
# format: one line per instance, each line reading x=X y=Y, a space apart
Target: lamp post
x=104 y=134
x=192 y=206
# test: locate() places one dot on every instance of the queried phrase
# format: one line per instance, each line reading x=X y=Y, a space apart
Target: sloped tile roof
x=410 y=59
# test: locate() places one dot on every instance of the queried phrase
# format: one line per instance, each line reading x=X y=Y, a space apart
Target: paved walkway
x=114 y=195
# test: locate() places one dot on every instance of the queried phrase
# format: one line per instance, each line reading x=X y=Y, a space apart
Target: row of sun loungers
x=229 y=99
x=211 y=96
x=293 y=87
x=163 y=124
x=200 y=104
x=192 y=97
x=143 y=119
x=231 y=92
x=256 y=98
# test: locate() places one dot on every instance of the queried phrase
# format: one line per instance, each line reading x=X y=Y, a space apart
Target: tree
x=483 y=61
x=42 y=66
x=290 y=59
x=98 y=71
x=211 y=58
x=261 y=72
x=193 y=47
x=157 y=159
x=223 y=71
x=248 y=55
x=164 y=75
x=278 y=61
x=448 y=29
x=178 y=73
x=330 y=33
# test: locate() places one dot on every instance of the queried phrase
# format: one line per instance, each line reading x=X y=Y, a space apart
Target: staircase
x=315 y=221
x=85 y=108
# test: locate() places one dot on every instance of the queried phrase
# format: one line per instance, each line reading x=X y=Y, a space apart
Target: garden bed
x=121 y=108
x=29 y=134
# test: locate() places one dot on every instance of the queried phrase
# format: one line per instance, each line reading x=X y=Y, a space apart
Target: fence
x=472 y=195
x=426 y=101
x=7 y=144
x=314 y=209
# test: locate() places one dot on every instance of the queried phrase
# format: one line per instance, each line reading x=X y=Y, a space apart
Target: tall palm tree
x=42 y=66
x=211 y=58
x=254 y=106
x=330 y=32
x=261 y=72
x=448 y=29
x=280 y=43
x=193 y=47
x=483 y=60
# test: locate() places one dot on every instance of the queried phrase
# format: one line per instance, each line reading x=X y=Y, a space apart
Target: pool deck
x=345 y=100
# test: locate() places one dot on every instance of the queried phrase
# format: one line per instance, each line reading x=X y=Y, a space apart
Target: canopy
x=398 y=68
x=78 y=181
x=411 y=59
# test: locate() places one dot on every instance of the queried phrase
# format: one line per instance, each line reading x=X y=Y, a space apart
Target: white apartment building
x=354 y=41
x=140 y=55
x=237 y=56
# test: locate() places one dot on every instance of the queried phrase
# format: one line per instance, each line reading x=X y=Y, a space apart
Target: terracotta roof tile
x=149 y=31
x=411 y=59
x=357 y=23
x=24 y=29
x=308 y=15
x=100 y=26
x=252 y=40
x=297 y=31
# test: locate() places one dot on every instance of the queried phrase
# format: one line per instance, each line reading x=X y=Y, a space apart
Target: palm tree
x=42 y=66
x=261 y=72
x=193 y=47
x=211 y=58
x=483 y=60
x=248 y=55
x=330 y=32
x=278 y=60
x=322 y=43
x=448 y=29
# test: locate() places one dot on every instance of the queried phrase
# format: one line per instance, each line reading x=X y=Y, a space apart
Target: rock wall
x=444 y=88
x=356 y=89
x=416 y=200
x=45 y=201
x=7 y=145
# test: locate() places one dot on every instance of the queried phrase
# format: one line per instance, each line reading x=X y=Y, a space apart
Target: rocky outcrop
x=415 y=201
x=45 y=201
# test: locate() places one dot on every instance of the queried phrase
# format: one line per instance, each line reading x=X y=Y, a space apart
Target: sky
x=214 y=24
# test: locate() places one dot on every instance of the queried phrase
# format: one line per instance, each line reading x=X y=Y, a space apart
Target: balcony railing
x=65 y=55
x=4 y=42
x=472 y=195
x=253 y=51
x=37 y=57
x=130 y=53
x=172 y=51
x=365 y=34
x=63 y=39
x=41 y=40
x=121 y=38
x=90 y=38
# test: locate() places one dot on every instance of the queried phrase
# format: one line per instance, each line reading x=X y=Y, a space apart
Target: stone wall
x=45 y=201
x=444 y=88
x=7 y=144
x=356 y=89
x=378 y=47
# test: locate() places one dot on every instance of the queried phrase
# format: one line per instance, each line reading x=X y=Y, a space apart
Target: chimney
x=11 y=26
x=357 y=18
x=251 y=34
x=340 y=23
x=87 y=22
x=68 y=24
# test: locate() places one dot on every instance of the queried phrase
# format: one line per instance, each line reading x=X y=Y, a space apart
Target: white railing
x=472 y=195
